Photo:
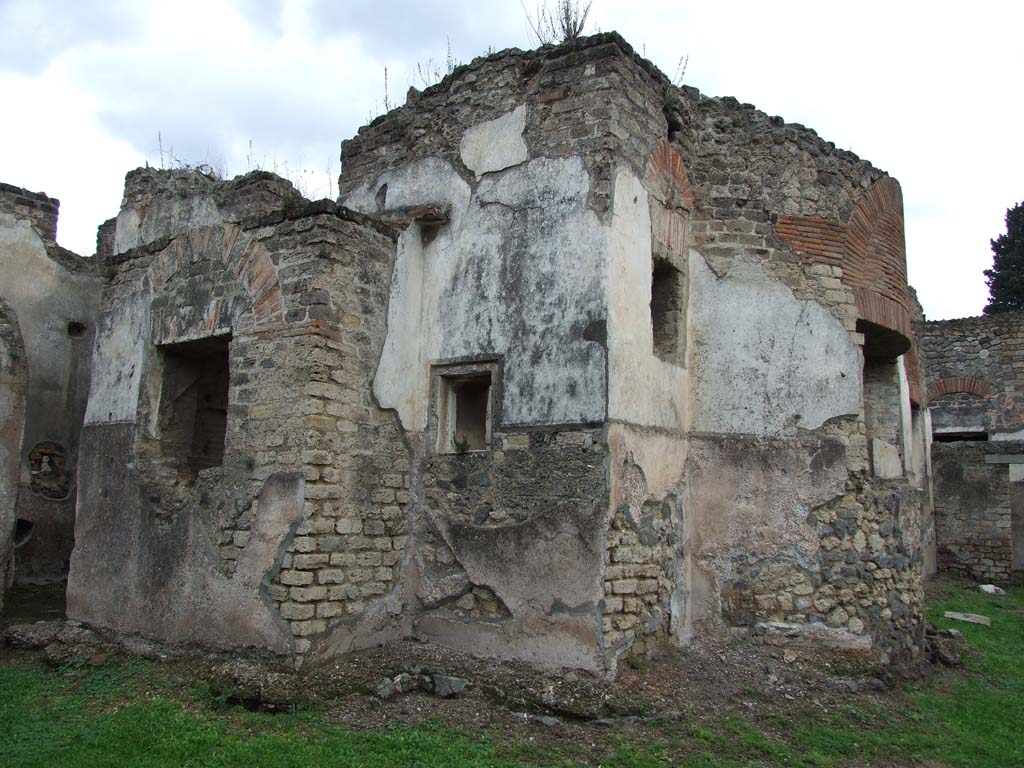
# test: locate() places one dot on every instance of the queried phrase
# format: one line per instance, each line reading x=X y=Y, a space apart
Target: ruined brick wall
x=516 y=281
x=779 y=248
x=581 y=104
x=975 y=372
x=974 y=509
x=309 y=498
x=605 y=389
x=775 y=205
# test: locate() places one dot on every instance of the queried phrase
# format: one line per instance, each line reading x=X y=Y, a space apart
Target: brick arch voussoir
x=667 y=176
x=951 y=385
x=247 y=260
x=252 y=263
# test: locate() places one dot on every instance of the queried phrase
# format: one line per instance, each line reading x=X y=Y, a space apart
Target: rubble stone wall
x=974 y=509
x=743 y=209
x=579 y=371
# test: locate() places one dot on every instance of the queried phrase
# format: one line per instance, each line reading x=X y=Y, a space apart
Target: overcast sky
x=929 y=92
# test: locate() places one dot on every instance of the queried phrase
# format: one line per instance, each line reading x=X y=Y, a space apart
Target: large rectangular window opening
x=464 y=416
x=194 y=404
x=667 y=310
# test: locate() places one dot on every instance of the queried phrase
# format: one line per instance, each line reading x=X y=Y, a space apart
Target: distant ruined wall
x=975 y=383
x=55 y=295
x=978 y=509
x=976 y=373
x=13 y=393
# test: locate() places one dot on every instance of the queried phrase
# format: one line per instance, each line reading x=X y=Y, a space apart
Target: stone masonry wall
x=642 y=574
x=580 y=105
x=777 y=199
x=978 y=356
x=973 y=510
x=300 y=293
x=748 y=193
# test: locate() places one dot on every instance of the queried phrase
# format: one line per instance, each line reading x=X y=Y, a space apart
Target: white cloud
x=925 y=92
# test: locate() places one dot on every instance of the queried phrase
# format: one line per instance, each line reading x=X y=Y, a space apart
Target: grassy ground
x=126 y=712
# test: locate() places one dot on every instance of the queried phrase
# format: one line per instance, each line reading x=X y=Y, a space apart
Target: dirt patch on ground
x=559 y=712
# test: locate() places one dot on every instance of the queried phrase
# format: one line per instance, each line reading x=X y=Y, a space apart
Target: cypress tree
x=1006 y=278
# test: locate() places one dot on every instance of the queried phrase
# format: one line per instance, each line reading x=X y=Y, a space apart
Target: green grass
x=127 y=712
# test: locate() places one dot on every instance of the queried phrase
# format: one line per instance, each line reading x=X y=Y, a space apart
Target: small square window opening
x=465 y=421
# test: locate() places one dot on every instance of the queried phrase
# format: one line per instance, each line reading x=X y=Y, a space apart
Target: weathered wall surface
x=55 y=295
x=647 y=310
x=13 y=393
x=744 y=264
x=767 y=363
x=510 y=546
x=310 y=486
x=796 y=275
x=975 y=373
x=504 y=258
x=646 y=570
x=974 y=509
x=515 y=274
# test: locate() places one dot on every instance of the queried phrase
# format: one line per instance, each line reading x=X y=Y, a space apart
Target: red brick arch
x=958 y=384
x=875 y=257
x=667 y=178
x=247 y=259
x=869 y=248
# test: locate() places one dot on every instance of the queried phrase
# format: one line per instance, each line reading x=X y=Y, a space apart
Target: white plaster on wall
x=765 y=363
x=906 y=421
x=1018 y=435
x=496 y=144
x=517 y=273
x=642 y=388
x=428 y=182
x=45 y=297
x=117 y=361
x=885 y=459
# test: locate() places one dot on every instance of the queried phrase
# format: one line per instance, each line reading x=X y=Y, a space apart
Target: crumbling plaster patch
x=752 y=498
x=545 y=570
x=767 y=363
x=164 y=580
x=496 y=144
x=118 y=359
x=516 y=274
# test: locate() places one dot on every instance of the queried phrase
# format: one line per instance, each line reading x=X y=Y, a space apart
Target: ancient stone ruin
x=976 y=396
x=48 y=308
x=579 y=365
